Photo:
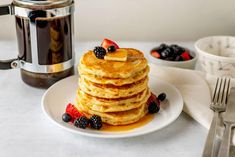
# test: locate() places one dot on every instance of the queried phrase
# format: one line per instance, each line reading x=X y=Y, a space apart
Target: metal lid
x=42 y=3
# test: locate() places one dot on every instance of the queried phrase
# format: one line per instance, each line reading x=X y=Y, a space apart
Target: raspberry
x=156 y=54
x=73 y=111
x=107 y=43
x=186 y=56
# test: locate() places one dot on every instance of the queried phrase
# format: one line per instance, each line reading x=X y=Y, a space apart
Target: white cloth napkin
x=196 y=88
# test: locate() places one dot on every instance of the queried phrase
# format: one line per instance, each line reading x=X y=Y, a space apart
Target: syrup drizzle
x=145 y=120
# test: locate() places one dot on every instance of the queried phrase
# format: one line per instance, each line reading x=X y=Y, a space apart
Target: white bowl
x=217 y=55
x=190 y=64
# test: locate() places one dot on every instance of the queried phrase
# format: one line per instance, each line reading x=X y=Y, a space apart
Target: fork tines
x=220 y=96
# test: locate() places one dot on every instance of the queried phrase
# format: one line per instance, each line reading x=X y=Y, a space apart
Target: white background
x=145 y=20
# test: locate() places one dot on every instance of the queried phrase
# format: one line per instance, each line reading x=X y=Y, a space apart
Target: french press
x=45 y=33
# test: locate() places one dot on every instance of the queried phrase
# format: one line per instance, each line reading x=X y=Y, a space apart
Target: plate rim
x=127 y=134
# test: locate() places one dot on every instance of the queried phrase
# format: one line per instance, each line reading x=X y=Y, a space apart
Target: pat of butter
x=119 y=55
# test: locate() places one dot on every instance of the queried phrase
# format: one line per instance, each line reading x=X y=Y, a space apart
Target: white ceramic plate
x=60 y=94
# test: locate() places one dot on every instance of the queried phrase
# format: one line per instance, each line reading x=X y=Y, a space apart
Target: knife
x=229 y=121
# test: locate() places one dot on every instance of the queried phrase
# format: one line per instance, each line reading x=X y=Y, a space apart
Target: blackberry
x=95 y=122
x=99 y=52
x=66 y=117
x=81 y=122
x=153 y=107
x=161 y=97
x=111 y=48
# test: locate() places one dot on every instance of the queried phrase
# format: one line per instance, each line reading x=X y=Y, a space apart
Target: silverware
x=218 y=105
x=229 y=122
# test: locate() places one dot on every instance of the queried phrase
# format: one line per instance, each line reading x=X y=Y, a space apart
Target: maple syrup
x=145 y=120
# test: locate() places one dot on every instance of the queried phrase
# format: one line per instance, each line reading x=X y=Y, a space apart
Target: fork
x=218 y=105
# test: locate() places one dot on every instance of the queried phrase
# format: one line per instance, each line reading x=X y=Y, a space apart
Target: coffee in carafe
x=45 y=39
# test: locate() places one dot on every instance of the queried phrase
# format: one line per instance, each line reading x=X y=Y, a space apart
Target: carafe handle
x=7 y=64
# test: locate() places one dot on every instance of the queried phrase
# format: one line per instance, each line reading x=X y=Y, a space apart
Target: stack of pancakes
x=116 y=91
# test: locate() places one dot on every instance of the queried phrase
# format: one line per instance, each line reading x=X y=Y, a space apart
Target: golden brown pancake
x=117 y=91
x=115 y=81
x=116 y=118
x=111 y=91
x=112 y=105
x=135 y=63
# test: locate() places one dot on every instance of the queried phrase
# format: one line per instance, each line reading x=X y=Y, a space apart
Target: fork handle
x=225 y=145
x=209 y=145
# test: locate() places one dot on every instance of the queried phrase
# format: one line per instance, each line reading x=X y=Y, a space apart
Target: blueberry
x=66 y=117
x=170 y=58
x=174 y=45
x=179 y=58
x=161 y=97
x=153 y=107
x=165 y=53
x=160 y=48
x=176 y=50
x=172 y=53
x=111 y=48
x=163 y=46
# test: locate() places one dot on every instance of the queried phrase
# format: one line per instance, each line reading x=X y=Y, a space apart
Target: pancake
x=117 y=91
x=112 y=102
x=116 y=118
x=111 y=91
x=115 y=81
x=135 y=63
x=113 y=105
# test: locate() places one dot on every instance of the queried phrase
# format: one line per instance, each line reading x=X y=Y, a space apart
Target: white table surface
x=26 y=131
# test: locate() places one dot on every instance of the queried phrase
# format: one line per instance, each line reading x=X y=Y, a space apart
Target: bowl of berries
x=173 y=56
